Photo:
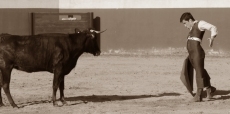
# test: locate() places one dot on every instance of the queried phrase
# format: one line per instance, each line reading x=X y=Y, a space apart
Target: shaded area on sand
x=104 y=98
x=99 y=98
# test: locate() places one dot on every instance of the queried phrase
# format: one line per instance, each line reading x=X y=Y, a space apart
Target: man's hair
x=186 y=16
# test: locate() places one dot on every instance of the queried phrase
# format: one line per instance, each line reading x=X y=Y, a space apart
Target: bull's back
x=31 y=53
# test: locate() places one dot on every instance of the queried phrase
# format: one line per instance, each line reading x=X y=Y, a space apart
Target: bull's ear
x=77 y=30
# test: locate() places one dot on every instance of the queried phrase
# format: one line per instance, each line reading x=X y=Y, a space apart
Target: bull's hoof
x=65 y=103
x=55 y=104
x=14 y=106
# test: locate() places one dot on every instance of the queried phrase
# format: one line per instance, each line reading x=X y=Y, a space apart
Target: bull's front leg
x=58 y=78
x=61 y=88
x=54 y=94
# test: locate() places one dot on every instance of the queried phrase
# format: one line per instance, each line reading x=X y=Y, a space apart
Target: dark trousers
x=196 y=58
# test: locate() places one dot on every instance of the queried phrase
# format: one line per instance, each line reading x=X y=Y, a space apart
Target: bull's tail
x=1 y=79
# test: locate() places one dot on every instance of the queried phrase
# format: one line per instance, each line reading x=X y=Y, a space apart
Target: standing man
x=196 y=52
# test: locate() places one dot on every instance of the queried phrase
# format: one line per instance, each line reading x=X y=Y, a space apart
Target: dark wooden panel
x=97 y=26
x=60 y=22
x=18 y=20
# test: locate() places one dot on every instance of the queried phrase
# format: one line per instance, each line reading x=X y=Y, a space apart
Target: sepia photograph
x=114 y=57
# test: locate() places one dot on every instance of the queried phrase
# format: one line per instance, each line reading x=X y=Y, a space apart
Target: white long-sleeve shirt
x=202 y=25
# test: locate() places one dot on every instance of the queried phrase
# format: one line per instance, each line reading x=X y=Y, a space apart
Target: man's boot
x=198 y=96
x=209 y=91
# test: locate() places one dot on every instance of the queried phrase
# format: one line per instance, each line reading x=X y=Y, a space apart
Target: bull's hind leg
x=6 y=74
x=1 y=103
x=61 y=88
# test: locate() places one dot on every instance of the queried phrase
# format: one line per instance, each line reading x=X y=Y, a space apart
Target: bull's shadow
x=105 y=98
x=99 y=98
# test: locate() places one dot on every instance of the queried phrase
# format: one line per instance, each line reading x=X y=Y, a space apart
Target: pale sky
x=81 y=4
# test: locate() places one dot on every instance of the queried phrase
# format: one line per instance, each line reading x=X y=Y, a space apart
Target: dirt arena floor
x=121 y=84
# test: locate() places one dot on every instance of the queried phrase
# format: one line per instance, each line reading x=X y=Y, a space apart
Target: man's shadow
x=99 y=98
x=225 y=94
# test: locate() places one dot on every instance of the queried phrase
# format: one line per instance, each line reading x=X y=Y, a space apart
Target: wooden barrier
x=61 y=22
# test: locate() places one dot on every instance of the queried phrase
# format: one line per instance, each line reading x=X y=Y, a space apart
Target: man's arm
x=207 y=26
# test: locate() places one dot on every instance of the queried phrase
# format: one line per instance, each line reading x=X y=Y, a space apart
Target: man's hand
x=211 y=40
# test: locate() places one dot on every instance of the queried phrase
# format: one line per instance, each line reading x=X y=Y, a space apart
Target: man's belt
x=194 y=38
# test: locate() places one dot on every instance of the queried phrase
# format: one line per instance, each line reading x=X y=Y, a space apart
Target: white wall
x=75 y=4
x=29 y=3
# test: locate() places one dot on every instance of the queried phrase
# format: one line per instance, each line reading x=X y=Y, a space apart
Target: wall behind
x=132 y=28
x=141 y=24
x=19 y=21
x=160 y=28
x=15 y=15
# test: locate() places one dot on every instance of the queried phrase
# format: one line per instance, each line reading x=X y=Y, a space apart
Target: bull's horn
x=98 y=31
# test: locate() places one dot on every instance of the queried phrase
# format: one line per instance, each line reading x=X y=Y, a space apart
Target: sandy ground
x=112 y=84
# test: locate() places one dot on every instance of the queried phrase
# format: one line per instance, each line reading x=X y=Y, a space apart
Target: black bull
x=55 y=53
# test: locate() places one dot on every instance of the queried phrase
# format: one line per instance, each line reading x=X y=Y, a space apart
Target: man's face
x=188 y=24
